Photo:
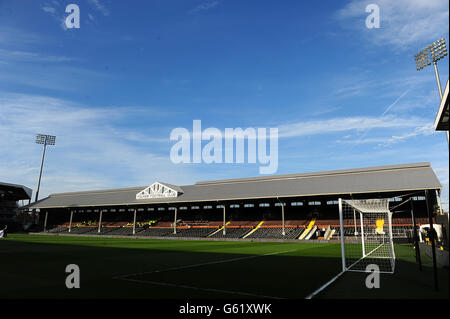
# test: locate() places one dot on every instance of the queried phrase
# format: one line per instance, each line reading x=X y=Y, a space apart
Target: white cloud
x=91 y=150
x=50 y=10
x=16 y=37
x=364 y=84
x=426 y=129
x=100 y=7
x=326 y=110
x=55 y=77
x=403 y=22
x=25 y=56
x=344 y=124
x=204 y=6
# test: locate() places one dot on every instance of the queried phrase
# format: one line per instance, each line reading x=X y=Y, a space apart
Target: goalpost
x=366 y=235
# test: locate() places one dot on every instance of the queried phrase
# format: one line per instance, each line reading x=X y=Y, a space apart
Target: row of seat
x=397 y=231
x=231 y=233
x=215 y=232
x=277 y=233
x=321 y=223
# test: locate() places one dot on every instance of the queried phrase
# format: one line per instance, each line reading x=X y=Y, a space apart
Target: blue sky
x=341 y=95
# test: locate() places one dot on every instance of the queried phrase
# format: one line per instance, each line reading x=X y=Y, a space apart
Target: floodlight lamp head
x=45 y=139
x=422 y=58
x=432 y=53
x=438 y=50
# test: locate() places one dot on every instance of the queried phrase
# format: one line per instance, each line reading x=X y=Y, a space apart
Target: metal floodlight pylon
x=431 y=54
x=45 y=140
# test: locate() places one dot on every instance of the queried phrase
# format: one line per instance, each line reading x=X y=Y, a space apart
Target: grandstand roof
x=14 y=192
x=392 y=178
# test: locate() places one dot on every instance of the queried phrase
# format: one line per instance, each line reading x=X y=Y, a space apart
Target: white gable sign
x=157 y=190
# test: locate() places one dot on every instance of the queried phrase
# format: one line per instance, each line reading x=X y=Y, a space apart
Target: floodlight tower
x=46 y=140
x=432 y=53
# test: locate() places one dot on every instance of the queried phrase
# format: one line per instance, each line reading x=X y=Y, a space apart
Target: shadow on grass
x=407 y=282
x=191 y=269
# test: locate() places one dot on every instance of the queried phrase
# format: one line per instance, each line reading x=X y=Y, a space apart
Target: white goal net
x=366 y=235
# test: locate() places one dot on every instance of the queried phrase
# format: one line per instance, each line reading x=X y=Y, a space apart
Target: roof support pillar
x=416 y=238
x=134 y=222
x=224 y=220
x=175 y=222
x=283 y=231
x=432 y=238
x=100 y=221
x=438 y=196
x=45 y=221
x=70 y=222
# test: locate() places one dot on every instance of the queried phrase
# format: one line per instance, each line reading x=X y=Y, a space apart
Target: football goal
x=366 y=235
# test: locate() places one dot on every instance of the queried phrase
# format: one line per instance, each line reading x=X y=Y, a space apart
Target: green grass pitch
x=33 y=266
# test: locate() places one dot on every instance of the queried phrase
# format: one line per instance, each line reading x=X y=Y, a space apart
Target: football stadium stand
x=291 y=207
x=10 y=196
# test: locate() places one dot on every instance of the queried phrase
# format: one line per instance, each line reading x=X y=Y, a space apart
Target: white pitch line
x=202 y=264
x=363 y=258
x=310 y=296
x=198 y=288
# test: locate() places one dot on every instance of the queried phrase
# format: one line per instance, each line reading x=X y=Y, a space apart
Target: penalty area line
x=202 y=264
x=202 y=289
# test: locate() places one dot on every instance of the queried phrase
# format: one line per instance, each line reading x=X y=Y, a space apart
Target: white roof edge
x=441 y=107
